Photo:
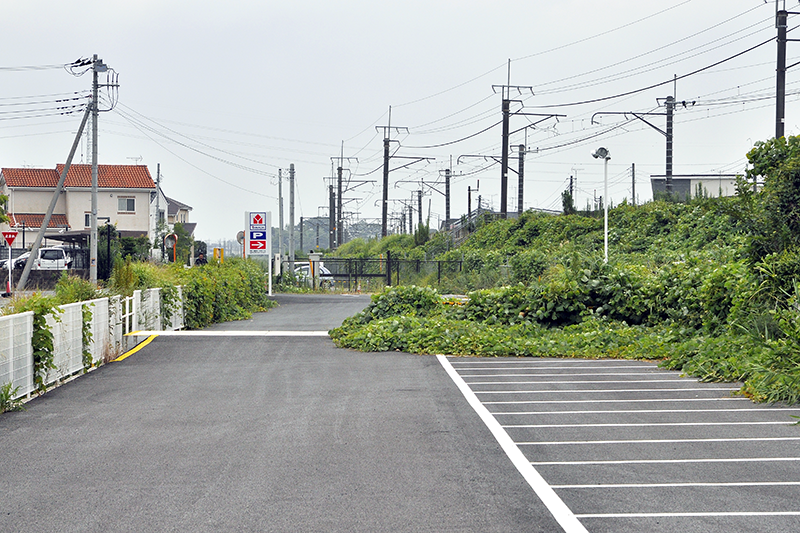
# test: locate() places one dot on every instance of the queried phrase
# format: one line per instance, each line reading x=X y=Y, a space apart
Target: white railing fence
x=111 y=319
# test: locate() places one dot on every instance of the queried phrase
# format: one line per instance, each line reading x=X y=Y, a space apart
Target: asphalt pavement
x=264 y=425
x=227 y=433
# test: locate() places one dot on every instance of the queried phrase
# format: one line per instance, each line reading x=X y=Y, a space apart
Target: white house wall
x=79 y=202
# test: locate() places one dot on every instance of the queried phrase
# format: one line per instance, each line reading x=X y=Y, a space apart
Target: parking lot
x=627 y=446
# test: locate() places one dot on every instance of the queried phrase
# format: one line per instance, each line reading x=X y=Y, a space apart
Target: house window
x=126 y=205
x=87 y=220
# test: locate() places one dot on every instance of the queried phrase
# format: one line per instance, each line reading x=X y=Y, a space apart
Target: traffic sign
x=9 y=236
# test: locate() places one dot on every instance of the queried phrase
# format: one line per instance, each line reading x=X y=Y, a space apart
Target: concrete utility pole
x=157 y=235
x=419 y=205
x=97 y=65
x=633 y=182
x=781 y=17
x=280 y=214
x=521 y=176
x=447 y=174
x=669 y=103
x=338 y=218
x=291 y=217
x=332 y=219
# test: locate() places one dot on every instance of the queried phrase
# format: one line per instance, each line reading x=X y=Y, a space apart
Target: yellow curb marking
x=138 y=347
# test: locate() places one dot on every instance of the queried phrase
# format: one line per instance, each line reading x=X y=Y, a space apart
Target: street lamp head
x=601 y=153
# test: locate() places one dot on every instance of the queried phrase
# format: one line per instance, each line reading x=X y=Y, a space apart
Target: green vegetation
x=707 y=286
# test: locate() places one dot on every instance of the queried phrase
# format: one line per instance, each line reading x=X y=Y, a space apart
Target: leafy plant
x=8 y=401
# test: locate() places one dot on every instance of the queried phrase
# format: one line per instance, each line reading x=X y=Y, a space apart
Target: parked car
x=47 y=259
x=303 y=273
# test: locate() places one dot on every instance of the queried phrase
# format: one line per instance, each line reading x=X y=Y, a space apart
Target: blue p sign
x=258 y=235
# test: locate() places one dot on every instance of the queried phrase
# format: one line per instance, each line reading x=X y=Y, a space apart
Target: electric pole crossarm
x=637 y=115
x=535 y=123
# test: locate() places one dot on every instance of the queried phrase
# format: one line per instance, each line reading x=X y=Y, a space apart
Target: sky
x=223 y=95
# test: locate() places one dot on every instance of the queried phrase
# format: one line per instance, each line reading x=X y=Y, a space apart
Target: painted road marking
x=584 y=391
x=652 y=441
x=669 y=461
x=595 y=381
x=135 y=349
x=649 y=424
x=632 y=411
x=622 y=400
x=668 y=485
x=546 y=494
x=686 y=515
x=653 y=373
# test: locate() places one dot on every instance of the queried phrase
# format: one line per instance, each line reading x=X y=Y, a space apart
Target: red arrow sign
x=258 y=245
x=9 y=236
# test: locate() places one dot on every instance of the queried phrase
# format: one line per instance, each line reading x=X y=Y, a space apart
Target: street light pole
x=604 y=154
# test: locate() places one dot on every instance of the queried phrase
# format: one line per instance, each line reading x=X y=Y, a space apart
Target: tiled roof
x=34 y=220
x=108 y=177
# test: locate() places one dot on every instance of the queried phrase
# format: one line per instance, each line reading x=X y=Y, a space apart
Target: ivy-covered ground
x=707 y=286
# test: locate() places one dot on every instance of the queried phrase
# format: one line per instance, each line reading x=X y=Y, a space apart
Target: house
x=124 y=196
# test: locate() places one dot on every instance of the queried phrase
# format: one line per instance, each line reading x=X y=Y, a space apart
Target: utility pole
x=447 y=174
x=97 y=65
x=669 y=103
x=301 y=235
x=158 y=210
x=781 y=17
x=419 y=206
x=521 y=176
x=387 y=130
x=280 y=215
x=633 y=182
x=291 y=217
x=506 y=109
x=338 y=217
x=331 y=218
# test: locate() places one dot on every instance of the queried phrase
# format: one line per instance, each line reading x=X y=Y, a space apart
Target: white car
x=303 y=272
x=48 y=259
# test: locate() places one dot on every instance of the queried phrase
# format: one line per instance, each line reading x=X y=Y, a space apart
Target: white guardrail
x=112 y=318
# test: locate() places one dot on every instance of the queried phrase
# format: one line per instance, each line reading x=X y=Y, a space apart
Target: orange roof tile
x=108 y=177
x=34 y=220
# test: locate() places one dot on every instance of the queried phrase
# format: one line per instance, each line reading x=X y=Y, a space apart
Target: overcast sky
x=223 y=94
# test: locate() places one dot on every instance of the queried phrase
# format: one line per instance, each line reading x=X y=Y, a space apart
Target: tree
x=773 y=212
x=567 y=203
x=185 y=241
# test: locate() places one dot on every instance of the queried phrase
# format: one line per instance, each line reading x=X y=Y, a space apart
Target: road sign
x=257 y=233
x=9 y=236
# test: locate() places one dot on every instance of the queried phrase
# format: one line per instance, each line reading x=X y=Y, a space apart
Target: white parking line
x=652 y=441
x=686 y=515
x=669 y=485
x=668 y=461
x=596 y=381
x=584 y=391
x=547 y=495
x=654 y=372
x=622 y=400
x=636 y=411
x=650 y=424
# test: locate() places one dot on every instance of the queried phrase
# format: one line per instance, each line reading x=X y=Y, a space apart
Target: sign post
x=9 y=236
x=258 y=237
